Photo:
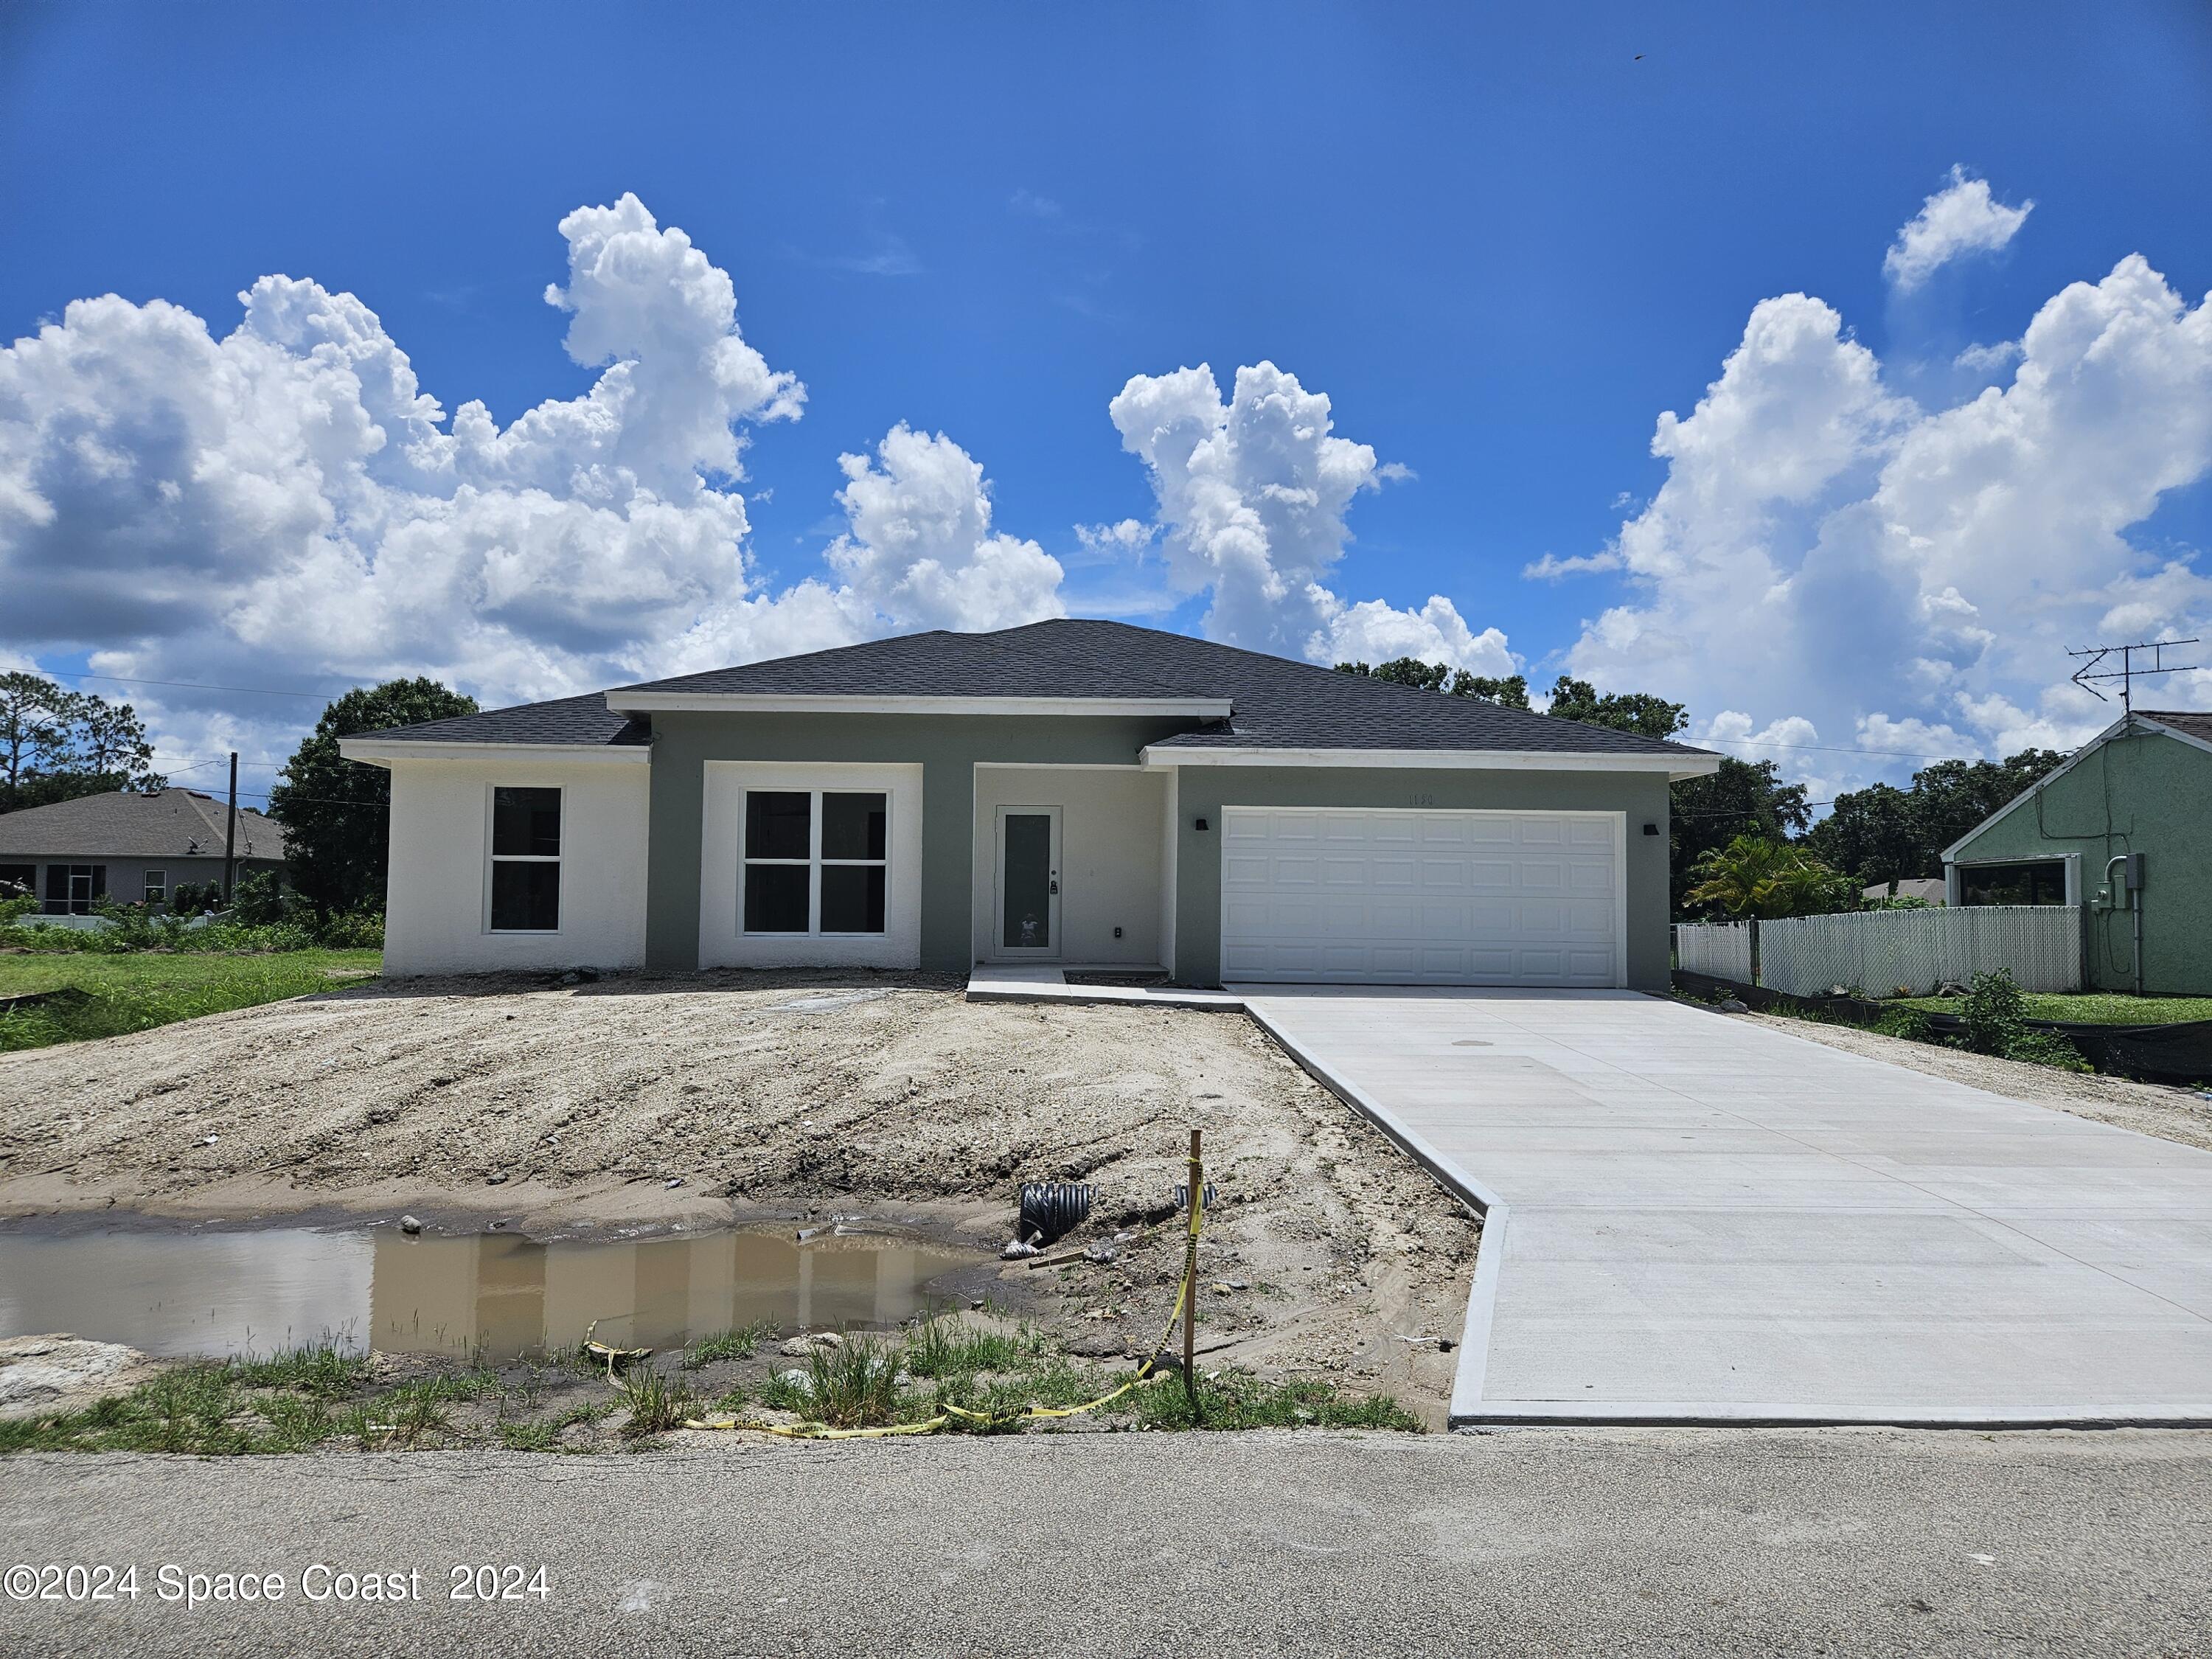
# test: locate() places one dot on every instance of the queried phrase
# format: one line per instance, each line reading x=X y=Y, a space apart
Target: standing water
x=497 y=1294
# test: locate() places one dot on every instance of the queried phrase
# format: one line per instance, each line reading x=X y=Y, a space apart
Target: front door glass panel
x=1029 y=876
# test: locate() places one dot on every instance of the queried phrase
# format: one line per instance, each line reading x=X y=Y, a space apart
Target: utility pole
x=230 y=835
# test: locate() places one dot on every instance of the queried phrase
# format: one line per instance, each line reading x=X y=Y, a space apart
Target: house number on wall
x=1420 y=800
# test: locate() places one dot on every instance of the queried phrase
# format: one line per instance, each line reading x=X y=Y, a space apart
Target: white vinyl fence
x=1720 y=949
x=1877 y=951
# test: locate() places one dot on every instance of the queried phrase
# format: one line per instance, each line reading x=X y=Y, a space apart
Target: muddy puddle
x=494 y=1294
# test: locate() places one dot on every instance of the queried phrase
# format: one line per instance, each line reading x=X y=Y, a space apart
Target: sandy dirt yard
x=786 y=1095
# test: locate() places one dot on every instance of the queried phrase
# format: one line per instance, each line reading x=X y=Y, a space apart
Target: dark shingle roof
x=1277 y=703
x=2191 y=722
x=569 y=721
x=170 y=824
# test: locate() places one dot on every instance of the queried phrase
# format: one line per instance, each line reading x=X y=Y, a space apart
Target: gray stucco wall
x=1205 y=790
x=946 y=748
x=2142 y=793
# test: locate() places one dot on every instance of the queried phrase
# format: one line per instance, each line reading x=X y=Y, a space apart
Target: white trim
x=1619 y=862
x=647 y=702
x=1057 y=766
x=493 y=858
x=723 y=942
x=1441 y=760
x=383 y=753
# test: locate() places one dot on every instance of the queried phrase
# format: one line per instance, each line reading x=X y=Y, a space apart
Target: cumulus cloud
x=1962 y=217
x=921 y=550
x=285 y=506
x=1253 y=493
x=1373 y=631
x=285 y=501
x=1824 y=548
x=1552 y=568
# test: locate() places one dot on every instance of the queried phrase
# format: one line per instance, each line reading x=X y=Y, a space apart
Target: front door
x=1028 y=882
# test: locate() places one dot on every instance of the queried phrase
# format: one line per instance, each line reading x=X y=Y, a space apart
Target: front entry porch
x=1073 y=868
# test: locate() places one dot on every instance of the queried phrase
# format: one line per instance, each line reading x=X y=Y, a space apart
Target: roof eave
x=383 y=751
x=1689 y=764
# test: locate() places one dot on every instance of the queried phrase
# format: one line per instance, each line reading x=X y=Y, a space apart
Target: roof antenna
x=2097 y=655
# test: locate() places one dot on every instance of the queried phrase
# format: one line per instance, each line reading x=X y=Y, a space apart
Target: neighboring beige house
x=133 y=848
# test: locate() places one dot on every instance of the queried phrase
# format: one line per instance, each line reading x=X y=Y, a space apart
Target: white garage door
x=1421 y=898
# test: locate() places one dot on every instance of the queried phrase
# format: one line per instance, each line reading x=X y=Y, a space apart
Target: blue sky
x=1500 y=243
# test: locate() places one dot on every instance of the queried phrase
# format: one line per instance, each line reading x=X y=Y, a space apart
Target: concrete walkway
x=1692 y=1220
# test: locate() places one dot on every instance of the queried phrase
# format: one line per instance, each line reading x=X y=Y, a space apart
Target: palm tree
x=1754 y=875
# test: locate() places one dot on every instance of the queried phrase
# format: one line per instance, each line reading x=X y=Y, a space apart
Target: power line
x=186 y=686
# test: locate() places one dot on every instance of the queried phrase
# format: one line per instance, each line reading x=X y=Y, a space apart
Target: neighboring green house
x=2142 y=785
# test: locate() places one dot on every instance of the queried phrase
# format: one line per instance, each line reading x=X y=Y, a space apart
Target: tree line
x=1741 y=841
x=57 y=745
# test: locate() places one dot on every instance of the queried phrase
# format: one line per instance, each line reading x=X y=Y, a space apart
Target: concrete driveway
x=1695 y=1219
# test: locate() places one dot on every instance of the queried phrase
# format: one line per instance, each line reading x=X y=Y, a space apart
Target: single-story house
x=2143 y=785
x=1073 y=793
x=130 y=847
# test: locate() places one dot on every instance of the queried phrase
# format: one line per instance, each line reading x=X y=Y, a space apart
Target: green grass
x=2089 y=1009
x=738 y=1343
x=855 y=1384
x=138 y=992
x=657 y=1404
x=302 y=1399
x=320 y=1370
x=1237 y=1400
x=950 y=1347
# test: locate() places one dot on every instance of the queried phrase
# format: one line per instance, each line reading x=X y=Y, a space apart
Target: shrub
x=262 y=899
x=355 y=930
x=132 y=927
x=1995 y=1013
x=2047 y=1049
x=188 y=898
x=1908 y=1023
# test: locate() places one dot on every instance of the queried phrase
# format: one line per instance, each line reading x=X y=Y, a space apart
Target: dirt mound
x=775 y=1093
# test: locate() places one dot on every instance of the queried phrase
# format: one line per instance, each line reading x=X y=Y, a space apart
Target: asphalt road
x=1534 y=1541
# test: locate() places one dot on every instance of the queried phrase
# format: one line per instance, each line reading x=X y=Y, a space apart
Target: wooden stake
x=1190 y=1278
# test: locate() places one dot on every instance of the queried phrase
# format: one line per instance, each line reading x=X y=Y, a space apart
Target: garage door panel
x=1425 y=897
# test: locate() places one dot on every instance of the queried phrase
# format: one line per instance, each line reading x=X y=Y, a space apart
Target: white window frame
x=156 y=886
x=814 y=863
x=493 y=859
